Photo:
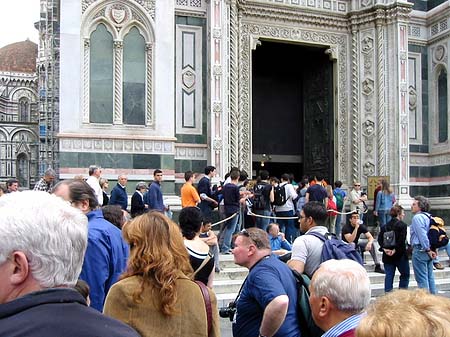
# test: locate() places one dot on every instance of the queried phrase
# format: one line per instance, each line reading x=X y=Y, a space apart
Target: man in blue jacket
x=39 y=268
x=107 y=252
x=154 y=197
x=119 y=194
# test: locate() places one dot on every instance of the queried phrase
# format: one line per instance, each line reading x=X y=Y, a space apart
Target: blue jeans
x=403 y=267
x=262 y=223
x=423 y=269
x=446 y=248
x=289 y=225
x=384 y=217
x=231 y=226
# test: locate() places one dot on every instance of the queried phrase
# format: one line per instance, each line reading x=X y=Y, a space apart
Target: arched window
x=442 y=106
x=101 y=76
x=24 y=110
x=134 y=78
x=23 y=170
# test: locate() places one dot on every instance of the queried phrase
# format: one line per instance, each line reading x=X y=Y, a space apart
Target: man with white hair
x=93 y=181
x=43 y=241
x=46 y=182
x=340 y=292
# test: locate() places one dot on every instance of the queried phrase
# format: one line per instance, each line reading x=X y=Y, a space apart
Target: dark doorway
x=292 y=110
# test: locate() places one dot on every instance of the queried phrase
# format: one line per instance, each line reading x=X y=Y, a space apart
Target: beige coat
x=148 y=321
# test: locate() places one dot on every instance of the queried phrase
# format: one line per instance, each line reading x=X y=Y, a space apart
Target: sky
x=17 y=18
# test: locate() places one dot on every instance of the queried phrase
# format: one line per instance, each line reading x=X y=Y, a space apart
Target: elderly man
x=340 y=291
x=45 y=183
x=93 y=181
x=119 y=194
x=422 y=257
x=39 y=267
x=107 y=253
x=266 y=305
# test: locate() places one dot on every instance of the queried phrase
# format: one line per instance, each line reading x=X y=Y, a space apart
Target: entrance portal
x=292 y=110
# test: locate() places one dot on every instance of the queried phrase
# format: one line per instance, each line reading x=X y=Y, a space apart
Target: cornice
x=277 y=13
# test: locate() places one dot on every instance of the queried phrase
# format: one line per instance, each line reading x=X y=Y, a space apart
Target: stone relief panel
x=415 y=98
x=107 y=145
x=327 y=5
x=189 y=88
x=190 y=152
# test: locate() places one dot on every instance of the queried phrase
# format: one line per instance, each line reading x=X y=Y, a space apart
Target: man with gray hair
x=107 y=252
x=46 y=182
x=422 y=256
x=43 y=241
x=340 y=292
x=93 y=181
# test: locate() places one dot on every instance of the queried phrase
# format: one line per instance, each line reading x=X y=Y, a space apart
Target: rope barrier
x=249 y=212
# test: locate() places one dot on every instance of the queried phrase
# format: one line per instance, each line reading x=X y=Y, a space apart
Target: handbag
x=207 y=299
x=389 y=241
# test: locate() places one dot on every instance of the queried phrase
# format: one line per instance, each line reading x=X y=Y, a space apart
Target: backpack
x=332 y=206
x=339 y=200
x=436 y=234
x=259 y=200
x=389 y=240
x=300 y=202
x=279 y=195
x=307 y=326
x=334 y=248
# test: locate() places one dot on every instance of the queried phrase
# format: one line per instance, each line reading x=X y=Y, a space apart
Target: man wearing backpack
x=340 y=292
x=262 y=198
x=287 y=209
x=422 y=256
x=307 y=249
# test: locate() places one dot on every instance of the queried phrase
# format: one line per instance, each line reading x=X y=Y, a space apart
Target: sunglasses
x=357 y=185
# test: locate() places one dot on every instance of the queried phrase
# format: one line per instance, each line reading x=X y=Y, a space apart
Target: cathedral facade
x=19 y=139
x=352 y=88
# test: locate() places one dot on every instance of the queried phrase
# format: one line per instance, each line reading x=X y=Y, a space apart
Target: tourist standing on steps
x=422 y=257
x=395 y=257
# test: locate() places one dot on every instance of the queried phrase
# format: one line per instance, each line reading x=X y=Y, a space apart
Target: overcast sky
x=17 y=18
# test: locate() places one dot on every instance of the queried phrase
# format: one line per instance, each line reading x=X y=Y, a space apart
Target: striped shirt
x=346 y=325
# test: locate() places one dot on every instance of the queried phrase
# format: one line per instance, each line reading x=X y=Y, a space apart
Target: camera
x=229 y=311
x=363 y=193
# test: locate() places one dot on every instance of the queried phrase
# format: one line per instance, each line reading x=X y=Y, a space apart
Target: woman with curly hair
x=156 y=295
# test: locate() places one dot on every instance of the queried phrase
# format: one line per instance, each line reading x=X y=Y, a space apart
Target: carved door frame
x=249 y=34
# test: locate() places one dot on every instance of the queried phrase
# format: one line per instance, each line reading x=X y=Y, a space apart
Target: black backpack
x=307 y=325
x=279 y=195
x=259 y=200
x=389 y=240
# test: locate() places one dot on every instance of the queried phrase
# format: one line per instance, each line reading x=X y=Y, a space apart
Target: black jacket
x=400 y=229
x=57 y=312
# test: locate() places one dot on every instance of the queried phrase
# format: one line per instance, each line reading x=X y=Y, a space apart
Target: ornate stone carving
x=86 y=69
x=149 y=97
x=368 y=169
x=367 y=86
x=367 y=44
x=234 y=85
x=118 y=90
x=439 y=53
x=250 y=31
x=381 y=139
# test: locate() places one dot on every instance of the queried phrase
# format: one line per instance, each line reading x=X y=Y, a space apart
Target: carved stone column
x=218 y=98
x=86 y=69
x=234 y=84
x=355 y=139
x=149 y=85
x=118 y=89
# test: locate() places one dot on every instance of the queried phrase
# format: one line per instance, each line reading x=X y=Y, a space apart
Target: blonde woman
x=156 y=296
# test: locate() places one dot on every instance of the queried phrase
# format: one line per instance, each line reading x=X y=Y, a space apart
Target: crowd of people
x=76 y=261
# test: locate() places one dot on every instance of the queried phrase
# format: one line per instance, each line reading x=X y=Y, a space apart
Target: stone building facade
x=175 y=84
x=19 y=140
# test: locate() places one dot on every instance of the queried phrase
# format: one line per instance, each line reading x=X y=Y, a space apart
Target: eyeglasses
x=356 y=185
